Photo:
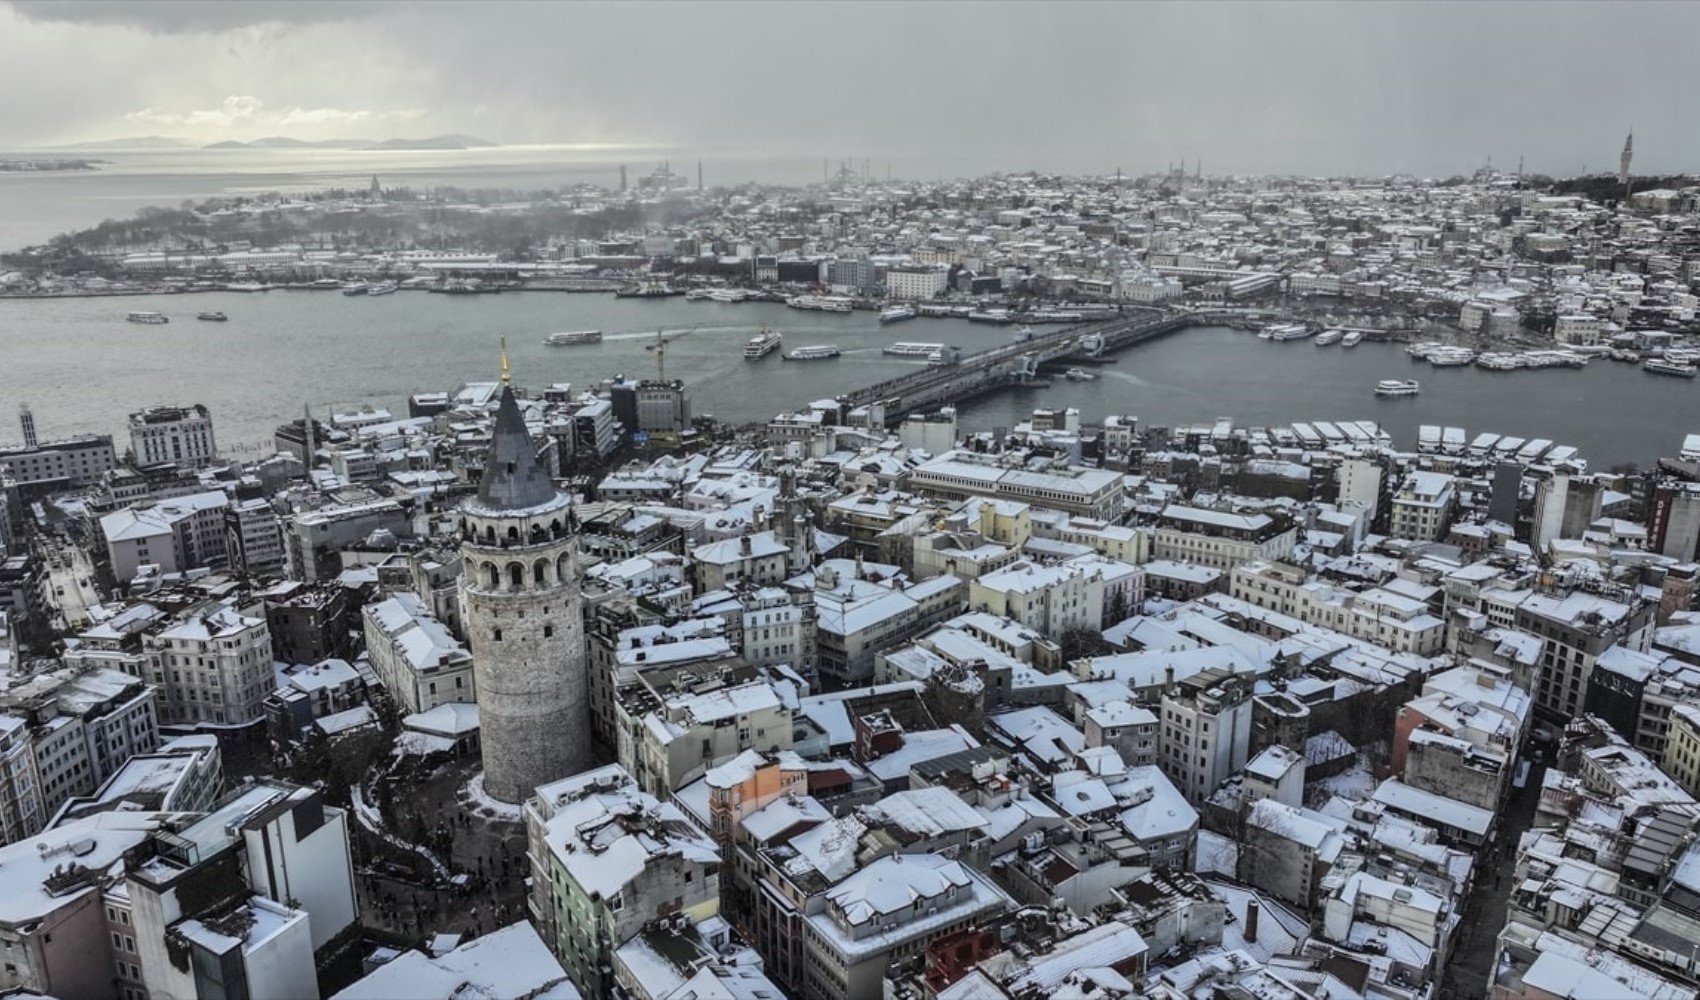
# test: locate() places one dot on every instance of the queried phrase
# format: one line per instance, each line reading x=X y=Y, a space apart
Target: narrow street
x=1466 y=975
x=71 y=586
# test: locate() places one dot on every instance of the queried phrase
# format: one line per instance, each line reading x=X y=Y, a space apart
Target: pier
x=1013 y=365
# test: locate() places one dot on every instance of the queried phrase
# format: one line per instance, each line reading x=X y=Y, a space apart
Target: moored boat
x=1662 y=366
x=1352 y=339
x=1328 y=337
x=897 y=314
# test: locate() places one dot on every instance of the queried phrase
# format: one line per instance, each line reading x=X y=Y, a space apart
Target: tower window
x=496 y=635
x=548 y=631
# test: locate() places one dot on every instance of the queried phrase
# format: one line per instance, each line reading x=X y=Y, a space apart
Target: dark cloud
x=1247 y=87
x=193 y=16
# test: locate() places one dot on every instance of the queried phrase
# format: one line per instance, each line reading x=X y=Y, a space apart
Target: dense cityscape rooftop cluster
x=555 y=691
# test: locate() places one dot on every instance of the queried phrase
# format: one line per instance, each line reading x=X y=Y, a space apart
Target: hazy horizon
x=1302 y=88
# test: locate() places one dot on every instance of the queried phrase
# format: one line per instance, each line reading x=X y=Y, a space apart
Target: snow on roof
x=1426 y=806
x=341 y=722
x=448 y=719
x=96 y=842
x=929 y=812
x=829 y=849
x=919 y=746
x=604 y=832
x=510 y=962
x=1106 y=945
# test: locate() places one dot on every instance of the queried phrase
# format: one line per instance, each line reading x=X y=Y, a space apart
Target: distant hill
x=134 y=142
x=452 y=141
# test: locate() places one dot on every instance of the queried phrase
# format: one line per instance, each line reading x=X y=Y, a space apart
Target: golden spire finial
x=505 y=379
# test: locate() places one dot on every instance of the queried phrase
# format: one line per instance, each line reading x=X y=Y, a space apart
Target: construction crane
x=660 y=350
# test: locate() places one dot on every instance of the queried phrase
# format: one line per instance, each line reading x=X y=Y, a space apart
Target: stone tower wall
x=523 y=615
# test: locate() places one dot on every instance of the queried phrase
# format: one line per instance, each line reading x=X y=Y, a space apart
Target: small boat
x=1352 y=339
x=1328 y=337
x=148 y=317
x=820 y=303
x=1451 y=357
x=382 y=288
x=1079 y=375
x=355 y=288
x=646 y=289
x=897 y=314
x=1024 y=334
x=571 y=337
x=907 y=349
x=945 y=355
x=762 y=344
x=1397 y=387
x=212 y=317
x=1663 y=366
x=816 y=352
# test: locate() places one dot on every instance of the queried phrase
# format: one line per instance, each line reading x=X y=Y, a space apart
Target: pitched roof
x=512 y=478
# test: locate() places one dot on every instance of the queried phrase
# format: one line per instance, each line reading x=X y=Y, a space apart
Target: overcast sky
x=1249 y=87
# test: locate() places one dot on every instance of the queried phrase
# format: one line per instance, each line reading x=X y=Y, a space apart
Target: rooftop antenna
x=506 y=379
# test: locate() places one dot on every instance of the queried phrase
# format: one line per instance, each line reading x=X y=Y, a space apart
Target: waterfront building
x=173 y=435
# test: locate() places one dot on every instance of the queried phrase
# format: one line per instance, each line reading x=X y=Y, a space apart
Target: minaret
x=523 y=614
x=26 y=420
x=1623 y=164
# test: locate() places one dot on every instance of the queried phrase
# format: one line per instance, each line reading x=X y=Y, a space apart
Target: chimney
x=744 y=545
x=1251 y=919
x=1168 y=678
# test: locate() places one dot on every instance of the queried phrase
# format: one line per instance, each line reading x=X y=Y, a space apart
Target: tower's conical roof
x=512 y=478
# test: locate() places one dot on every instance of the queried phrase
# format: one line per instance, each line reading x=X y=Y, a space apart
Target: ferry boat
x=1499 y=362
x=995 y=316
x=355 y=288
x=815 y=352
x=1054 y=316
x=762 y=344
x=571 y=337
x=945 y=355
x=1079 y=375
x=1285 y=331
x=897 y=314
x=148 y=317
x=1024 y=334
x=324 y=284
x=1352 y=339
x=1451 y=357
x=1397 y=387
x=382 y=288
x=1328 y=337
x=649 y=289
x=907 y=349
x=1419 y=351
x=247 y=286
x=728 y=294
x=1663 y=366
x=212 y=317
x=697 y=294
x=820 y=303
